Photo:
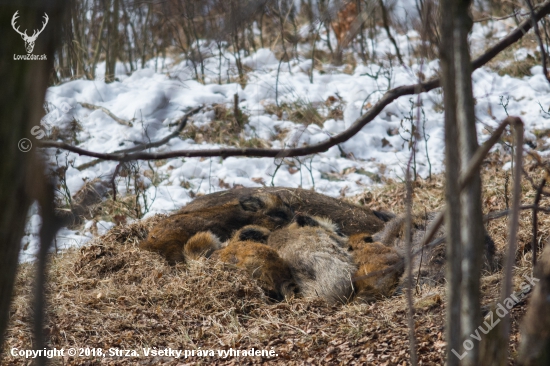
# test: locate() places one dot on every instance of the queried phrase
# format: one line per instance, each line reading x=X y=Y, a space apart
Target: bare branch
x=517 y=125
x=113 y=179
x=513 y=15
x=392 y=39
x=498 y=214
x=408 y=269
x=408 y=258
x=107 y=112
x=465 y=176
x=539 y=38
x=512 y=37
x=491 y=216
x=181 y=123
x=535 y=219
x=343 y=136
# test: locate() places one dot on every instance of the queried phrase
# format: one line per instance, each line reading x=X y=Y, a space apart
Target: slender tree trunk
x=535 y=339
x=473 y=235
x=386 y=23
x=110 y=67
x=500 y=345
x=452 y=214
x=24 y=85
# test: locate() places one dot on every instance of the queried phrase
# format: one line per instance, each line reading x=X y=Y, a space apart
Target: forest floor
x=110 y=295
x=106 y=294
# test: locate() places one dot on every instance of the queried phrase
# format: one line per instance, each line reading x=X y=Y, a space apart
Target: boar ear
x=254 y=234
x=304 y=220
x=251 y=203
x=279 y=214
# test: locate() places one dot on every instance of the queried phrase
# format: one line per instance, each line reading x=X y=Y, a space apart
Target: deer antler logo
x=29 y=41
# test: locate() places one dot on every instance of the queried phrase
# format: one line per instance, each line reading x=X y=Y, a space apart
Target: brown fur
x=201 y=244
x=373 y=257
x=170 y=235
x=318 y=258
x=263 y=263
x=351 y=219
x=253 y=233
x=358 y=241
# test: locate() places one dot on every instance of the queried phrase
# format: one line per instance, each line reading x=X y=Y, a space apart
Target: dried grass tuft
x=111 y=294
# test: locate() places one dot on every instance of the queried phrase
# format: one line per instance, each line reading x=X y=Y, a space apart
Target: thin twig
x=498 y=214
x=535 y=219
x=468 y=173
x=181 y=123
x=343 y=136
x=530 y=180
x=113 y=183
x=401 y=263
x=514 y=14
x=421 y=253
x=107 y=112
x=386 y=24
x=464 y=179
x=539 y=38
x=408 y=261
x=513 y=224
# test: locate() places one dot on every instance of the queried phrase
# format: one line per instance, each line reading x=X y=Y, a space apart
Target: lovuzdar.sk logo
x=29 y=40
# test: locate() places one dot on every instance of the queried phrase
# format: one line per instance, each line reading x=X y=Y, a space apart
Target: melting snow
x=152 y=100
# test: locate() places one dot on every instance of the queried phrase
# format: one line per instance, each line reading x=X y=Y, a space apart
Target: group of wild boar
x=297 y=242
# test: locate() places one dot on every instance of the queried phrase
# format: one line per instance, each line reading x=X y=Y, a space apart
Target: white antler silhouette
x=15 y=16
x=29 y=41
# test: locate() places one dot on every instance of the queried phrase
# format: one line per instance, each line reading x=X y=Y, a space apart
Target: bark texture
x=472 y=235
x=535 y=331
x=22 y=95
x=452 y=190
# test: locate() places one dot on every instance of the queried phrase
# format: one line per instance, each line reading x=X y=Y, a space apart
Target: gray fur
x=318 y=259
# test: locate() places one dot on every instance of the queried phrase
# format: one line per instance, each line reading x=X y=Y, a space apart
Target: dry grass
x=110 y=294
x=505 y=63
x=226 y=128
x=305 y=112
x=497 y=185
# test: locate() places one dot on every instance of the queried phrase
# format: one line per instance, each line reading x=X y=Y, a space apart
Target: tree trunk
x=534 y=348
x=473 y=235
x=24 y=84
x=452 y=214
x=110 y=62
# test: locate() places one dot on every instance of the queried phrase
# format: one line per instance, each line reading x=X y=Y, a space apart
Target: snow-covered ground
x=152 y=100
